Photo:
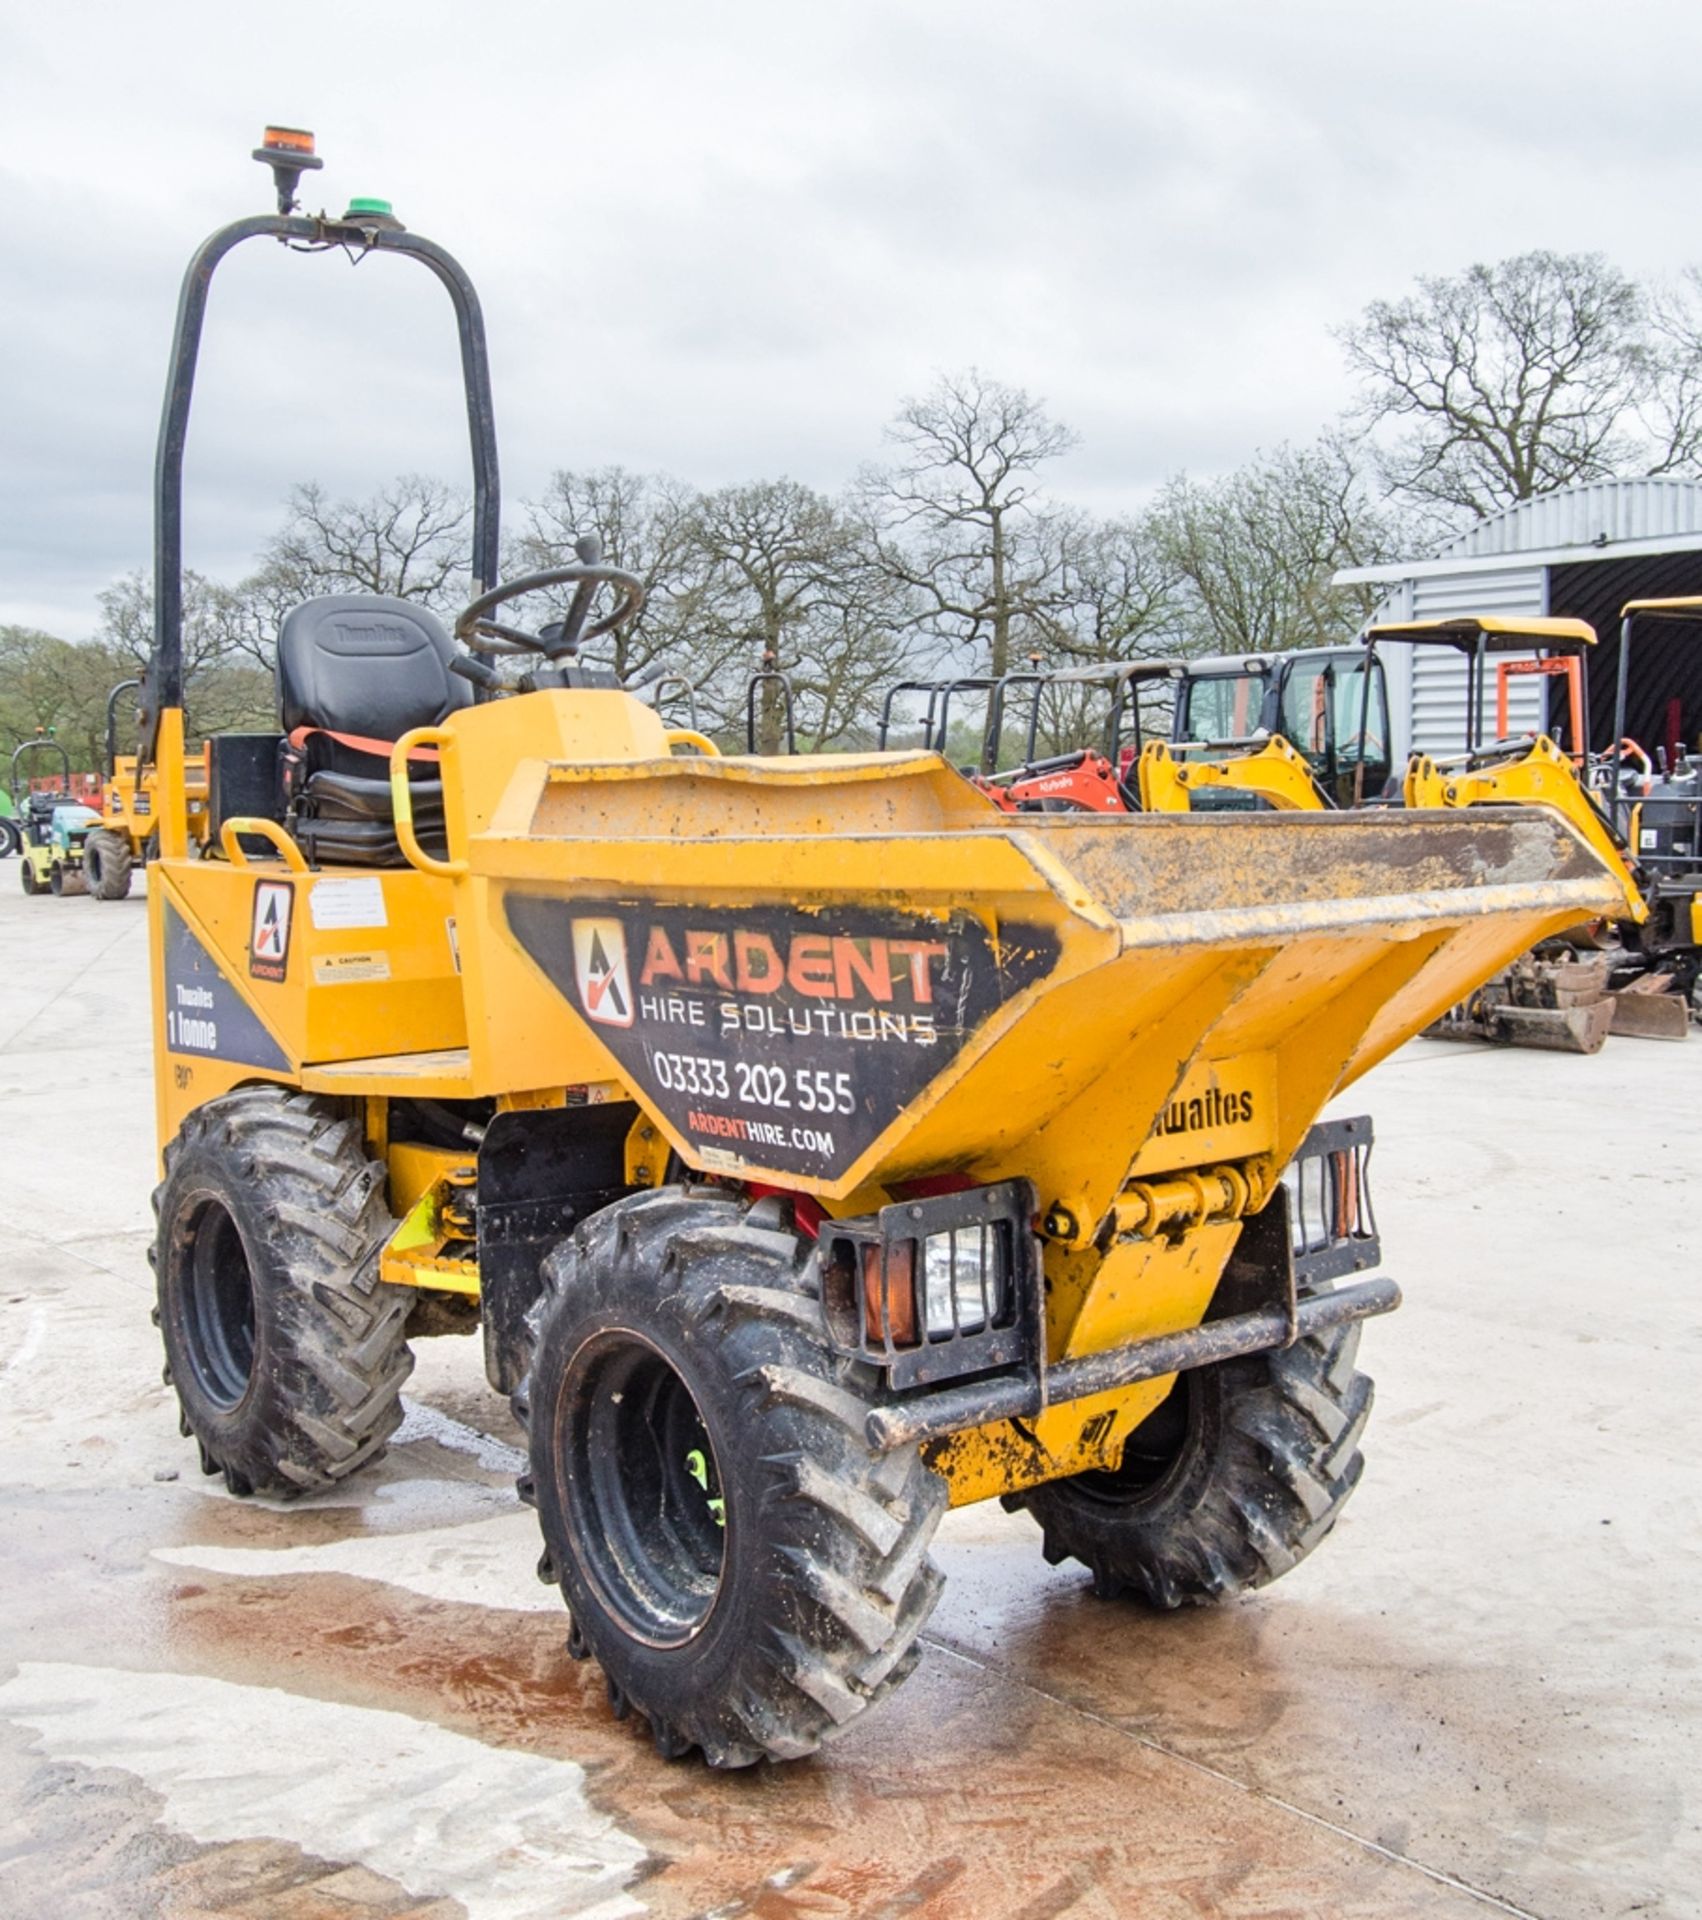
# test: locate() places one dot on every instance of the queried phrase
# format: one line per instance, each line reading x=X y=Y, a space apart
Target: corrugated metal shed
x=1509 y=563
x=1600 y=513
x=1440 y=678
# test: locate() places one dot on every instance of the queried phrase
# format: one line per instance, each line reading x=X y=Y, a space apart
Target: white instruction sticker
x=348 y=903
x=1649 y=839
x=337 y=969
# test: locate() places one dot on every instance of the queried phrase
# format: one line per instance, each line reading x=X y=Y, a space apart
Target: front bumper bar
x=1021 y=1397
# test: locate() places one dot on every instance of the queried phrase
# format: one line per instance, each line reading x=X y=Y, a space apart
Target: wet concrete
x=1480 y=1696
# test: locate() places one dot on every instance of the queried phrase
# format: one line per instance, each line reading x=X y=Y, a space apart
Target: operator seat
x=355 y=672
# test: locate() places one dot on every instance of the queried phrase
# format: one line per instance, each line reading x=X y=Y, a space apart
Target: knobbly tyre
x=816 y=1145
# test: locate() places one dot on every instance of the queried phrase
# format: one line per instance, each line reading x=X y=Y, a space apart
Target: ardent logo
x=599 y=965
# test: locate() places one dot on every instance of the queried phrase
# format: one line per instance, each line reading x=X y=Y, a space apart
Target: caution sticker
x=338 y=969
x=269 y=935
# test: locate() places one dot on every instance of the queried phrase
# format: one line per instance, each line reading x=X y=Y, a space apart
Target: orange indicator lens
x=292 y=139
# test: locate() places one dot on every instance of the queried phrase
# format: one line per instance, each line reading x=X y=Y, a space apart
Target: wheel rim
x=218 y=1294
x=1152 y=1455
x=647 y=1516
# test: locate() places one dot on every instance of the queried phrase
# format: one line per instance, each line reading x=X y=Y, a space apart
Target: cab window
x=1354 y=713
x=1222 y=706
x=1307 y=713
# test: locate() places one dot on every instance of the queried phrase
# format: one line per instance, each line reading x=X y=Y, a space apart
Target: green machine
x=52 y=827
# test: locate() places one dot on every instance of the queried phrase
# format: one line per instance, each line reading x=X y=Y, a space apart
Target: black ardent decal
x=772 y=1036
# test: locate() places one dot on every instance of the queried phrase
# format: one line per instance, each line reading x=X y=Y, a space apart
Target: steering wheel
x=477 y=631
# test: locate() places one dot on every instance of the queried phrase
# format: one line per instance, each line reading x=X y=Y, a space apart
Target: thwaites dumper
x=817 y=1144
x=124 y=837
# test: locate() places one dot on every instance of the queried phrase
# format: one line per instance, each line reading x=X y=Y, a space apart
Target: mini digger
x=814 y=1144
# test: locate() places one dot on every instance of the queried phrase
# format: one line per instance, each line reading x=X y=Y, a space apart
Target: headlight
x=1332 y=1227
x=935 y=1287
x=963 y=1282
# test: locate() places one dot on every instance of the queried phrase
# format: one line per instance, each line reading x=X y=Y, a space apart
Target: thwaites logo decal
x=204 y=1013
x=269 y=936
x=774 y=1037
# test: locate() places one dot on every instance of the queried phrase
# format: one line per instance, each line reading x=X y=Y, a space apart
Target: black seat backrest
x=362 y=663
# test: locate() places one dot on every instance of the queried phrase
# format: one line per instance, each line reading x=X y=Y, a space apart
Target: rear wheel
x=11 y=840
x=1227 y=1484
x=286 y=1349
x=748 y=1574
x=107 y=861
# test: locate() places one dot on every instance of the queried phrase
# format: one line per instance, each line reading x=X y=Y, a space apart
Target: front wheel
x=27 y=874
x=1227 y=1484
x=748 y=1574
x=107 y=861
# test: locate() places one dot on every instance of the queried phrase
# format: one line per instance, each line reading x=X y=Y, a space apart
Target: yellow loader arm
x=1273 y=772
x=1543 y=777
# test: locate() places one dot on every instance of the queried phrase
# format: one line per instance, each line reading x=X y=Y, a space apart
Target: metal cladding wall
x=1582 y=552
x=1599 y=513
x=1441 y=678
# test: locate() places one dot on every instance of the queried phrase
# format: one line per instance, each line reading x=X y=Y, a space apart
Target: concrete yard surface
x=1481 y=1696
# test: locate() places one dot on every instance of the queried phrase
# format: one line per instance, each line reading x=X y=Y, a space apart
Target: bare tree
x=226 y=686
x=1120 y=590
x=1255 y=550
x=411 y=539
x=791 y=585
x=644 y=523
x=1507 y=381
x=960 y=509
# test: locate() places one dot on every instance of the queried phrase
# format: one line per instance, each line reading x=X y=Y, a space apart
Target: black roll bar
x=769 y=676
x=124 y=686
x=303 y=235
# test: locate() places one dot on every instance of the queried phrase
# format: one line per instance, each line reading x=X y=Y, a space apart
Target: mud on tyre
x=1226 y=1485
x=286 y=1350
x=748 y=1574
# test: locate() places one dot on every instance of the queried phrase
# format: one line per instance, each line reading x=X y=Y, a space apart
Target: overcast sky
x=722 y=240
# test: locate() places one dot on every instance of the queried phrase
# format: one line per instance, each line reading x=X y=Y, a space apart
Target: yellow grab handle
x=690 y=737
x=402 y=802
x=267 y=830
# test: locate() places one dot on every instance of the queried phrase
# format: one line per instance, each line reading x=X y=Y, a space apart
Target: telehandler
x=817 y=1144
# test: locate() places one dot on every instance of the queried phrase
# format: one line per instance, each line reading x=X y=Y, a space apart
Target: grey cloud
x=723 y=241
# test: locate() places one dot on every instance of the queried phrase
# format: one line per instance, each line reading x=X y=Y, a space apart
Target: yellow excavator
x=816 y=1144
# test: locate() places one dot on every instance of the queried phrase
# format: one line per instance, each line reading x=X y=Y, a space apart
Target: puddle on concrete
x=509 y=1834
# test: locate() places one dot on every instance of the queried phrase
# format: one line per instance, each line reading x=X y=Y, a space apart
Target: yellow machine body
x=1275 y=772
x=130 y=804
x=1141 y=1016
